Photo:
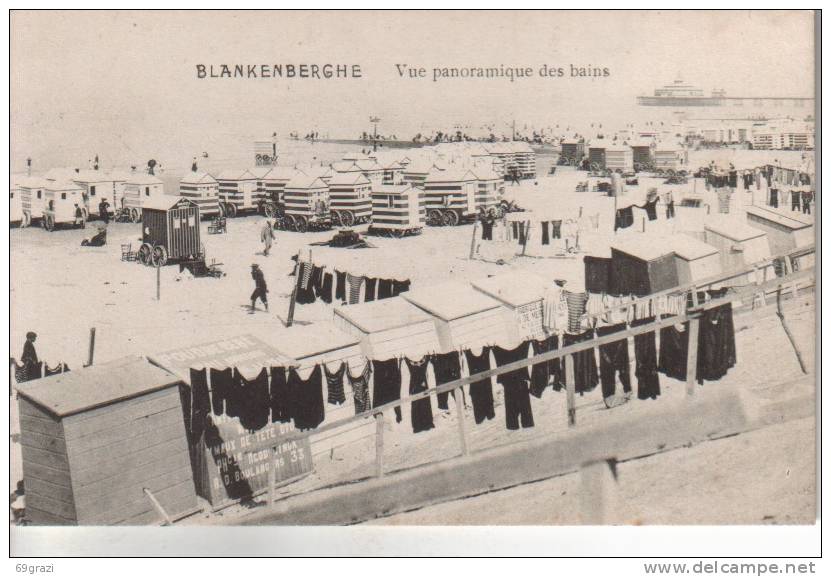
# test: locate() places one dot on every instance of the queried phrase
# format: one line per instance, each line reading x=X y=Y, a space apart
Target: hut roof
x=283 y=173
x=348 y=179
x=58 y=185
x=383 y=315
x=87 y=176
x=32 y=182
x=164 y=202
x=368 y=164
x=200 y=177
x=96 y=386
x=304 y=181
x=236 y=174
x=451 y=300
x=734 y=229
x=385 y=189
x=345 y=166
x=643 y=246
x=794 y=222
x=143 y=178
x=299 y=342
x=513 y=289
x=451 y=175
x=689 y=248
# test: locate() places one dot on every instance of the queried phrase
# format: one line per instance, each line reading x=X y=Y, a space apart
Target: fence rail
x=692 y=315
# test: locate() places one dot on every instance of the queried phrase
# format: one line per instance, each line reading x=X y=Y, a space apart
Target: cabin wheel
x=290 y=223
x=145 y=254
x=49 y=222
x=222 y=210
x=159 y=255
x=336 y=220
x=301 y=224
x=231 y=210
x=450 y=218
x=348 y=218
x=434 y=217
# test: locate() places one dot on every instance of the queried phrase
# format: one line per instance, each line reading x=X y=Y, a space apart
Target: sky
x=124 y=85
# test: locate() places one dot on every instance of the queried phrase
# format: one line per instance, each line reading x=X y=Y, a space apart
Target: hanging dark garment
x=200 y=403
x=807 y=197
x=598 y=272
x=306 y=290
x=481 y=392
x=671 y=209
x=340 y=286
x=585 y=364
x=732 y=179
x=515 y=230
x=384 y=288
x=279 y=396
x=360 y=388
x=323 y=290
x=487 y=230
x=306 y=399
x=556 y=228
x=369 y=292
x=672 y=358
x=254 y=400
x=515 y=385
x=544 y=225
x=614 y=358
x=386 y=386
x=646 y=362
x=624 y=218
x=716 y=341
x=400 y=286
x=651 y=209
x=774 y=198
x=447 y=368
x=796 y=199
x=523 y=233
x=546 y=372
x=334 y=385
x=421 y=411
x=222 y=383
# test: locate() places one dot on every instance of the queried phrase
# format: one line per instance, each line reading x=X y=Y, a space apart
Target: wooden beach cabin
x=524 y=158
x=170 y=231
x=306 y=204
x=695 y=259
x=238 y=192
x=739 y=244
x=271 y=183
x=572 y=152
x=522 y=294
x=489 y=186
x=619 y=159
x=642 y=158
x=463 y=316
x=641 y=265
x=61 y=197
x=389 y=327
x=98 y=442
x=597 y=156
x=138 y=189
x=203 y=190
x=97 y=185
x=350 y=199
x=785 y=232
x=667 y=157
x=15 y=201
x=450 y=196
x=373 y=171
x=398 y=210
x=32 y=198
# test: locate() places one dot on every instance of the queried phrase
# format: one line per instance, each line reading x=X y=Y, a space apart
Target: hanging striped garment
x=576 y=303
x=305 y=274
x=360 y=388
x=355 y=283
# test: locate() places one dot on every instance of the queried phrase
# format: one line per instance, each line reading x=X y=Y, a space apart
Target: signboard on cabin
x=230 y=462
x=530 y=319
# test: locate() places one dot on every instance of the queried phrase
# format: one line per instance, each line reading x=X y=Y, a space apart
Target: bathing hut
x=450 y=196
x=522 y=294
x=373 y=171
x=32 y=198
x=271 y=183
x=170 y=231
x=15 y=203
x=642 y=155
x=306 y=202
x=739 y=244
x=96 y=185
x=694 y=259
x=619 y=159
x=101 y=444
x=398 y=209
x=524 y=158
x=642 y=264
x=203 y=190
x=785 y=232
x=463 y=316
x=572 y=152
x=393 y=172
x=417 y=172
x=667 y=157
x=350 y=200
x=61 y=198
x=489 y=186
x=597 y=156
x=238 y=192
x=389 y=327
x=138 y=189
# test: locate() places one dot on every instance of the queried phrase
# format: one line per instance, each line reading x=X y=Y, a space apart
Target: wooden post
x=781 y=315
x=379 y=445
x=473 y=240
x=597 y=487
x=789 y=271
x=158 y=282
x=570 y=390
x=527 y=226
x=692 y=355
x=293 y=301
x=272 y=476
x=158 y=506
x=460 y=415
x=91 y=350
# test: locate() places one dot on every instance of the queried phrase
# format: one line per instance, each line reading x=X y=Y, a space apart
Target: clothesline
x=315 y=282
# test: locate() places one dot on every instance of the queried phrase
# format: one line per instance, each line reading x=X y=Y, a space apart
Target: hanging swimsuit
x=421 y=411
x=360 y=388
x=334 y=385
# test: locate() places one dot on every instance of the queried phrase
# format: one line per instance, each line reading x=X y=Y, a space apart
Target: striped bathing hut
x=450 y=196
x=399 y=209
x=138 y=189
x=417 y=171
x=203 y=190
x=238 y=192
x=306 y=201
x=271 y=182
x=350 y=198
x=373 y=171
x=490 y=187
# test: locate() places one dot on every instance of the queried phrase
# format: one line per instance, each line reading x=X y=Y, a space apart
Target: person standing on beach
x=104 y=210
x=267 y=236
x=260 y=288
x=79 y=216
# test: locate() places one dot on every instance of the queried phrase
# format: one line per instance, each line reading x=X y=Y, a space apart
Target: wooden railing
x=691 y=315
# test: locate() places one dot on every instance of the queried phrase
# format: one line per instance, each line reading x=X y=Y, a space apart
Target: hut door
x=470 y=189
x=247 y=193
